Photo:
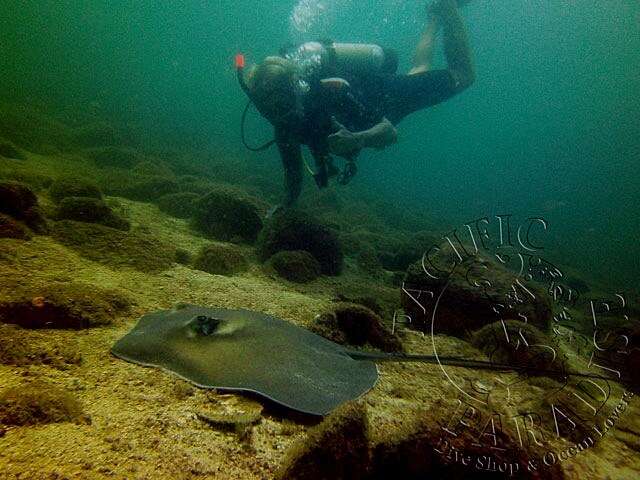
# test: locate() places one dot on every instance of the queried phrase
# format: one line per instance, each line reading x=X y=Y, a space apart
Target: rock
x=193 y=184
x=113 y=157
x=179 y=205
x=16 y=348
x=19 y=201
x=355 y=325
x=10 y=228
x=410 y=451
x=153 y=168
x=228 y=215
x=72 y=305
x=335 y=449
x=296 y=266
x=90 y=210
x=64 y=187
x=220 y=260
x=477 y=288
x=520 y=344
x=183 y=257
x=9 y=151
x=16 y=199
x=294 y=230
x=114 y=247
x=149 y=188
x=38 y=402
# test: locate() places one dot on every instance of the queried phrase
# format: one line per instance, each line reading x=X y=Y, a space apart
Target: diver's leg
x=457 y=49
x=423 y=55
x=293 y=176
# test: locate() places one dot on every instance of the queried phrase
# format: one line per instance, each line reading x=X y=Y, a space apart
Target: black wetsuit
x=370 y=98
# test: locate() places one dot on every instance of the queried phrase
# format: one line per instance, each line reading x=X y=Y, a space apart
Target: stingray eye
x=206 y=326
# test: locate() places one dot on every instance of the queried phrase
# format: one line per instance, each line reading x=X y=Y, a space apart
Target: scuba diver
x=340 y=98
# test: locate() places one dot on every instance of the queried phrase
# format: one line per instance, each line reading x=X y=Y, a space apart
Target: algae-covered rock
x=220 y=260
x=38 y=402
x=149 y=188
x=228 y=215
x=294 y=230
x=73 y=305
x=520 y=344
x=479 y=292
x=91 y=210
x=113 y=247
x=355 y=325
x=16 y=348
x=179 y=205
x=153 y=168
x=194 y=184
x=335 y=449
x=9 y=151
x=16 y=199
x=10 y=228
x=296 y=266
x=19 y=201
x=69 y=186
x=116 y=157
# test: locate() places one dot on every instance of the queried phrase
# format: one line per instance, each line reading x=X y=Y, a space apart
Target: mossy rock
x=471 y=295
x=149 y=188
x=520 y=344
x=17 y=348
x=73 y=305
x=67 y=186
x=9 y=151
x=351 y=324
x=16 y=199
x=179 y=205
x=228 y=215
x=38 y=402
x=220 y=260
x=99 y=134
x=91 y=210
x=194 y=184
x=295 y=230
x=113 y=247
x=337 y=448
x=116 y=157
x=153 y=168
x=11 y=228
x=296 y=266
x=33 y=130
x=19 y=201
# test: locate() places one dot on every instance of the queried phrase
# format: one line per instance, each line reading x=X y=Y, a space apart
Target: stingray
x=247 y=351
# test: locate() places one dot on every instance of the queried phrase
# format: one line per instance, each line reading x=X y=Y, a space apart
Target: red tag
x=240 y=60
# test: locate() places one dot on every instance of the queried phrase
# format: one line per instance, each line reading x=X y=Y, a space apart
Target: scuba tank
x=362 y=58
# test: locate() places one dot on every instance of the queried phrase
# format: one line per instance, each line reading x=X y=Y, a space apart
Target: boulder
x=179 y=205
x=68 y=186
x=10 y=228
x=295 y=230
x=9 y=151
x=351 y=324
x=90 y=210
x=335 y=449
x=228 y=215
x=479 y=292
x=296 y=266
x=220 y=260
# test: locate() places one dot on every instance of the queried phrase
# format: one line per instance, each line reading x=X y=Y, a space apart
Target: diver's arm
x=348 y=144
x=291 y=155
x=379 y=136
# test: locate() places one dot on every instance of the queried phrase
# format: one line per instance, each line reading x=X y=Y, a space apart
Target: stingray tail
x=468 y=363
